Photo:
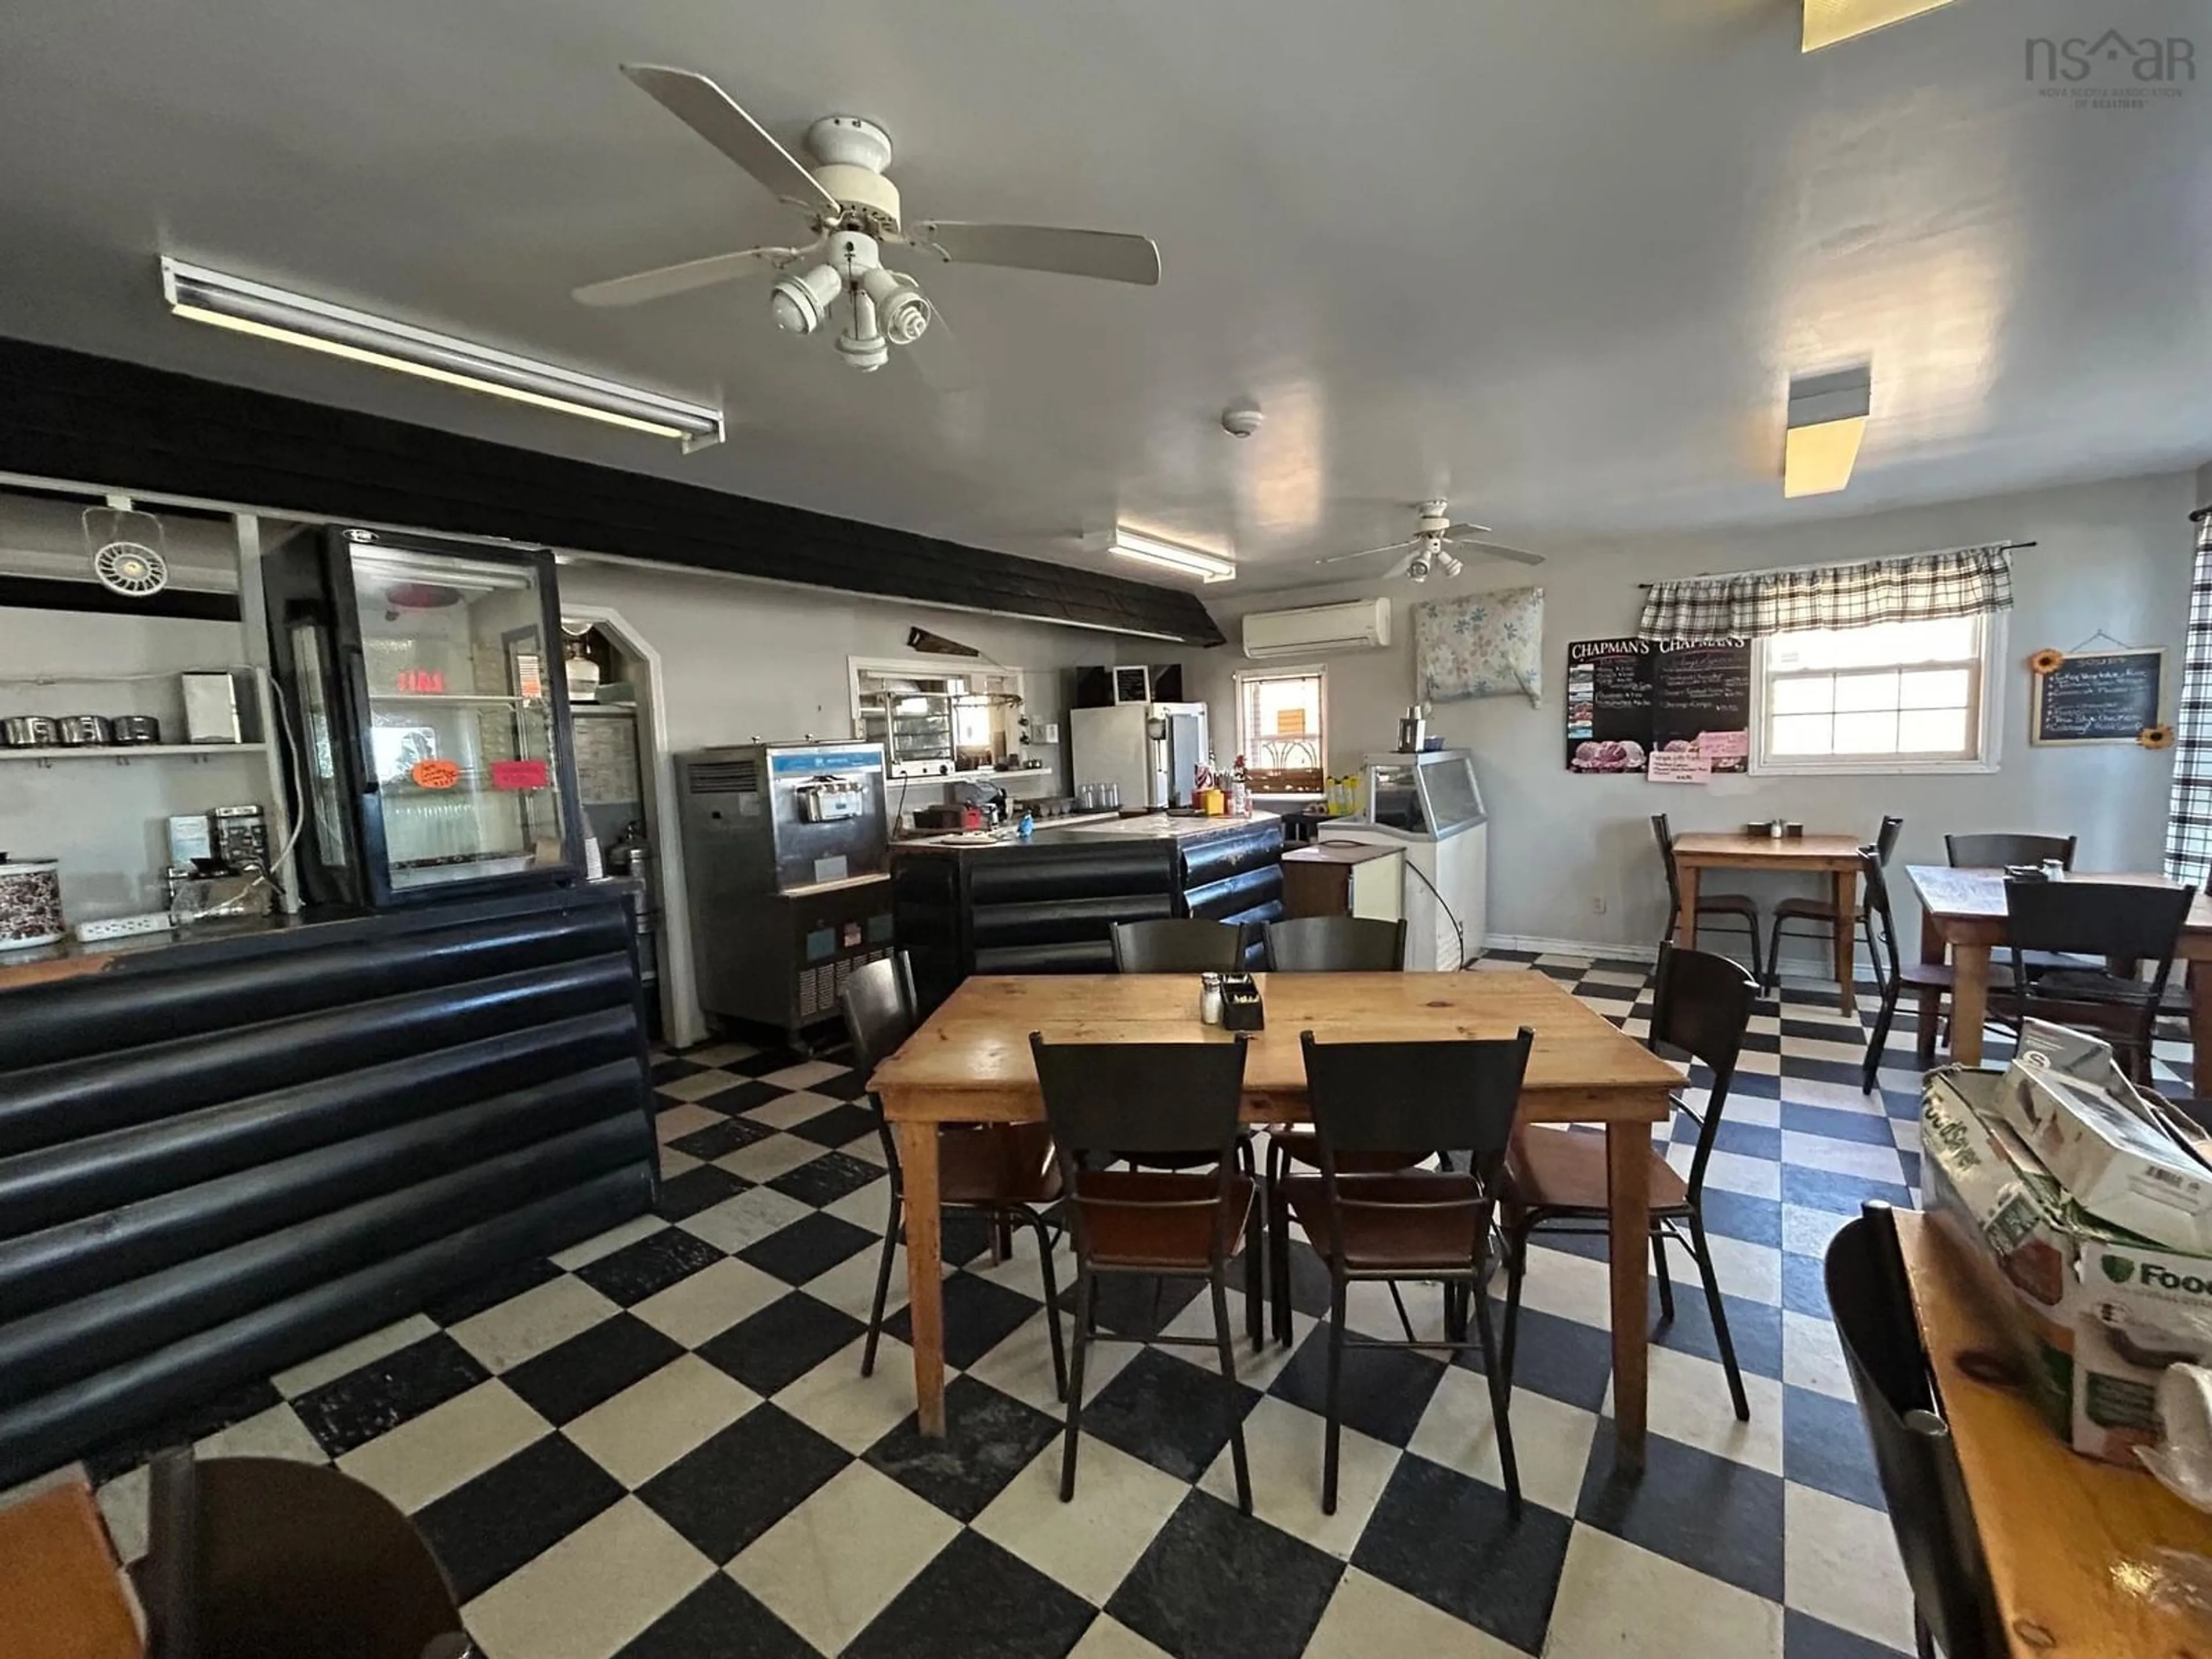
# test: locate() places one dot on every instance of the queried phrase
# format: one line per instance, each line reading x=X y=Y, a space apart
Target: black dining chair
x=1336 y=944
x=1816 y=917
x=2091 y=922
x=1401 y=1104
x=1005 y=1172
x=1556 y=1179
x=1954 y=1608
x=1733 y=909
x=1998 y=852
x=1895 y=973
x=253 y=1556
x=1152 y=1102
x=1178 y=945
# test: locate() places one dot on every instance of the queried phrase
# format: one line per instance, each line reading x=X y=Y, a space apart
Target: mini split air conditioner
x=1361 y=625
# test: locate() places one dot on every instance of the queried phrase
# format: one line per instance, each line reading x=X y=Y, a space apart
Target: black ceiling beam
x=69 y=414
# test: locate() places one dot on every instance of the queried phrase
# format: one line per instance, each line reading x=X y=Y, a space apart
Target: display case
x=421 y=681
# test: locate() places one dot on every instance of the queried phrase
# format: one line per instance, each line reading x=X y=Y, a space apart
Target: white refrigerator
x=1152 y=751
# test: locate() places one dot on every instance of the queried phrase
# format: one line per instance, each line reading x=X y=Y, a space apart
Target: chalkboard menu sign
x=2099 y=696
x=1628 y=699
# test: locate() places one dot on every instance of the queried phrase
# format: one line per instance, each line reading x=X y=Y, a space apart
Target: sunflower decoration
x=2155 y=737
x=2046 y=660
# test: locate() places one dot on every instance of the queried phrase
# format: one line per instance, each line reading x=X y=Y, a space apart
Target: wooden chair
x=1736 y=909
x=2080 y=924
x=1178 y=945
x=249 y=1557
x=1004 y=1170
x=1818 y=915
x=1556 y=1178
x=1336 y=944
x=1895 y=973
x=1955 y=1607
x=1399 y=1103
x=1172 y=1102
x=62 y=1595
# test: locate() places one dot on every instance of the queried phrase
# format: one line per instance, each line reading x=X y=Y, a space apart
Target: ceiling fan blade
x=1109 y=254
x=939 y=357
x=1494 y=551
x=715 y=116
x=1365 y=552
x=682 y=279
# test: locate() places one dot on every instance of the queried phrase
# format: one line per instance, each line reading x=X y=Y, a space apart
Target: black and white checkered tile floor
x=658 y=1445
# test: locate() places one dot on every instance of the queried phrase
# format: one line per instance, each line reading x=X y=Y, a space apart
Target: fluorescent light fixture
x=1188 y=561
x=273 y=313
x=1827 y=21
x=1827 y=418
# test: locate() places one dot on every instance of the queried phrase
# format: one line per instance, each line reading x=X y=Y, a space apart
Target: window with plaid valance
x=1921 y=587
x=2188 y=818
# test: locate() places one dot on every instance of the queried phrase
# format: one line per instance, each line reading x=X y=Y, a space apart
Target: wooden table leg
x=1847 y=927
x=2200 y=1027
x=1685 y=925
x=1628 y=1183
x=1932 y=949
x=925 y=1272
x=1969 y=1001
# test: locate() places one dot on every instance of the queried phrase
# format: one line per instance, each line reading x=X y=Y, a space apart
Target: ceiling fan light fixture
x=1827 y=21
x=1827 y=418
x=1185 y=561
x=799 y=303
x=245 y=306
x=902 y=311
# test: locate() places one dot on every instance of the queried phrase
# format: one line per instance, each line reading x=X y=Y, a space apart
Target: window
x=1279 y=731
x=1892 y=697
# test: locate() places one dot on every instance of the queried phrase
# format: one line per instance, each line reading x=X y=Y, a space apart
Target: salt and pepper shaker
x=2054 y=870
x=1209 y=999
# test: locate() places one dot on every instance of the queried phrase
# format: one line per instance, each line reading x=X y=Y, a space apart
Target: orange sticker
x=434 y=773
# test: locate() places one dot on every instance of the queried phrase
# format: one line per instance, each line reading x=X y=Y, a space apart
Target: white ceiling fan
x=1430 y=547
x=853 y=211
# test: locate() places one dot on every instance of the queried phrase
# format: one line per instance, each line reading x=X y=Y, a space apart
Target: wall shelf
x=128 y=753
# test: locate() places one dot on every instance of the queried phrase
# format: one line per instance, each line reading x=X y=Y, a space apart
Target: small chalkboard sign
x=2099 y=696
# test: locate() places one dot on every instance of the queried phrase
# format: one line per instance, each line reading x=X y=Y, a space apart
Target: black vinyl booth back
x=218 y=1162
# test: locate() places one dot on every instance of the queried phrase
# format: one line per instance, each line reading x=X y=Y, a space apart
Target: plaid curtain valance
x=2189 y=819
x=1921 y=587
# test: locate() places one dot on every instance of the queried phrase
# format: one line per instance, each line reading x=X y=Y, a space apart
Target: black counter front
x=1049 y=904
x=222 y=1157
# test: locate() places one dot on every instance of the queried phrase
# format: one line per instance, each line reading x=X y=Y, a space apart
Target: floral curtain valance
x=1486 y=645
x=1963 y=582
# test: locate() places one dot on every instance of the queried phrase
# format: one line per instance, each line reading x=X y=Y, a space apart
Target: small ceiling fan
x=853 y=211
x=1430 y=547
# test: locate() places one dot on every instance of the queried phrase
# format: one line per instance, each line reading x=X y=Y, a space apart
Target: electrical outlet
x=1597 y=904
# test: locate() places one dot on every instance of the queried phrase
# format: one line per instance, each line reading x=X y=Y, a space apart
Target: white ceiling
x=1554 y=259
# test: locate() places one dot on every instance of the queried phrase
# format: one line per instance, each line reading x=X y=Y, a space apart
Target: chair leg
x=1255 y=1294
x=1758 y=973
x=1666 y=1285
x=1924 y=1639
x=1084 y=1298
x=1501 y=1401
x=1051 y=1302
x=1923 y=1035
x=1331 y=1422
x=1772 y=978
x=883 y=1286
x=1878 y=1041
x=1405 y=1320
x=1700 y=1249
x=1279 y=1246
x=1517 y=1266
x=1217 y=1281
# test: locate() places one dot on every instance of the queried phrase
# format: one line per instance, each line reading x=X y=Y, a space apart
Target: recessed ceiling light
x=245 y=307
x=1827 y=418
x=1188 y=561
x=1827 y=21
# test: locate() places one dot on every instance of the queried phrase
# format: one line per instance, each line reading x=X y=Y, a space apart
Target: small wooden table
x=970 y=1062
x=1834 y=856
x=2067 y=1538
x=1965 y=910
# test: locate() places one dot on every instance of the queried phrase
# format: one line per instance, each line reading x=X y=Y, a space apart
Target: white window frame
x=1991 y=698
x=1286 y=672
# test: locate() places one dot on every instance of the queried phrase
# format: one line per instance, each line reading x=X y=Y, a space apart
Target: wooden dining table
x=969 y=1062
x=2070 y=1541
x=1834 y=859
x=1963 y=911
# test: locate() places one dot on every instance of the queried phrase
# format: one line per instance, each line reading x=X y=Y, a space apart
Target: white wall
x=2114 y=556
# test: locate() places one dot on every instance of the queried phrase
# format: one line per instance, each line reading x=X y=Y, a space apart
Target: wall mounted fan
x=128 y=548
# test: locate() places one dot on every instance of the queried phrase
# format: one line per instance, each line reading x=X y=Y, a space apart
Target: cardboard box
x=2066 y=1098
x=2097 y=1313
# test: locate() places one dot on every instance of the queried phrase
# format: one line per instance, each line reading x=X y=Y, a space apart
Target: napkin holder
x=1241 y=1007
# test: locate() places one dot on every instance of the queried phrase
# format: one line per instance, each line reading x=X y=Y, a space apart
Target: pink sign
x=519 y=775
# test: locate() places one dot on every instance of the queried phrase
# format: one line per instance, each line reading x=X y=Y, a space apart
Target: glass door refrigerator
x=420 y=682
